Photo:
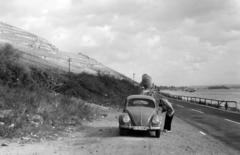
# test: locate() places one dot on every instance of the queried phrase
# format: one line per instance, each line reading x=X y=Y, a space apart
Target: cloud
x=176 y=42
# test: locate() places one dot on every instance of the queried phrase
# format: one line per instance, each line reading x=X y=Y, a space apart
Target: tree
x=146 y=81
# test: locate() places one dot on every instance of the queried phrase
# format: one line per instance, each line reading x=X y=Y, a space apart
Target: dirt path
x=101 y=138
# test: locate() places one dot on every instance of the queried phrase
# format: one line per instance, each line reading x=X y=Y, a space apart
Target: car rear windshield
x=141 y=103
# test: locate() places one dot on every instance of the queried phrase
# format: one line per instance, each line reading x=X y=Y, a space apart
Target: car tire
x=121 y=132
x=157 y=133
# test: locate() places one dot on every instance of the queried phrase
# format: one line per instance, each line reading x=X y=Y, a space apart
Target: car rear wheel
x=157 y=133
x=121 y=132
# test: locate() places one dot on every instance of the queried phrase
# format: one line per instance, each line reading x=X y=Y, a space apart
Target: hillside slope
x=40 y=52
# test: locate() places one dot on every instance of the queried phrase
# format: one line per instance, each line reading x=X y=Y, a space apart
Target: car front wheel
x=121 y=132
x=157 y=133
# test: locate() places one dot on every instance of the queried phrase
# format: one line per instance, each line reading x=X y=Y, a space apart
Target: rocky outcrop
x=23 y=38
x=38 y=51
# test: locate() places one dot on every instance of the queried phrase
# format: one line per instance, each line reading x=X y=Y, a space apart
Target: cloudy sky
x=176 y=42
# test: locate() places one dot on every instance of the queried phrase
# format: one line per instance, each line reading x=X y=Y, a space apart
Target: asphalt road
x=223 y=125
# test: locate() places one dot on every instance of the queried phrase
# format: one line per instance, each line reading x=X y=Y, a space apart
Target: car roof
x=141 y=96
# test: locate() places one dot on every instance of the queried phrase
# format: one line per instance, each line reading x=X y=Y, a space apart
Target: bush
x=12 y=71
x=29 y=91
x=55 y=110
x=101 y=89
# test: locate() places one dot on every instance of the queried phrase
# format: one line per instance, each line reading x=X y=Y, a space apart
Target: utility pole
x=133 y=77
x=69 y=61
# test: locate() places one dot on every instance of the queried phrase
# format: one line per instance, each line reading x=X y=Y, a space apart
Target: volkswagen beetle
x=140 y=112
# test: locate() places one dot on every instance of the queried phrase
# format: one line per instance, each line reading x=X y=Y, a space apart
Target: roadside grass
x=40 y=100
x=51 y=110
x=101 y=89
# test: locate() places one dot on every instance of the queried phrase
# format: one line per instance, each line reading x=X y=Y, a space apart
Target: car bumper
x=142 y=128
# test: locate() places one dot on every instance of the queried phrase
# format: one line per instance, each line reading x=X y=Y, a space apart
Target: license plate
x=139 y=128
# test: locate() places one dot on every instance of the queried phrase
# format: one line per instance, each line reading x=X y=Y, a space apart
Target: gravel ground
x=101 y=137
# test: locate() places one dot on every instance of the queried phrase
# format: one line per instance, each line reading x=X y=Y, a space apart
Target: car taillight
x=126 y=119
x=156 y=119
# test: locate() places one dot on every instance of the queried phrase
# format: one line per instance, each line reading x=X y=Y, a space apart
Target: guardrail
x=227 y=105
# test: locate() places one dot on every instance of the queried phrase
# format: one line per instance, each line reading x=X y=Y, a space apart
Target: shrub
x=12 y=71
x=55 y=110
x=28 y=91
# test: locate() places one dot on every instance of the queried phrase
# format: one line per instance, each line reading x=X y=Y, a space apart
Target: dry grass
x=57 y=111
x=26 y=92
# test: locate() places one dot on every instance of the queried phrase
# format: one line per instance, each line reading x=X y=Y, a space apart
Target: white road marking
x=232 y=121
x=178 y=118
x=202 y=133
x=180 y=106
x=198 y=111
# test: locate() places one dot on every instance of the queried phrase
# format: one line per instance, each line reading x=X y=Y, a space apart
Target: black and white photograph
x=114 y=77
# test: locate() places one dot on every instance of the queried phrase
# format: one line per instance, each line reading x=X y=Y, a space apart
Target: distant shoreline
x=218 y=87
x=231 y=94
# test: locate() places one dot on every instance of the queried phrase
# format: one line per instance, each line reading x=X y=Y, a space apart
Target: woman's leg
x=166 y=123
x=170 y=122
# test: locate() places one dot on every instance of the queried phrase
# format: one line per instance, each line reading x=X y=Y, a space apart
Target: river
x=218 y=94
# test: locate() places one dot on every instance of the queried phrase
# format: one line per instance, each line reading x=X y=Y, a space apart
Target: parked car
x=140 y=112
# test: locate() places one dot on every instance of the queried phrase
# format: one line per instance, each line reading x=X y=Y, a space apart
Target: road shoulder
x=101 y=137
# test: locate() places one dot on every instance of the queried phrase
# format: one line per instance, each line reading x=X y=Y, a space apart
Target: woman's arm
x=171 y=110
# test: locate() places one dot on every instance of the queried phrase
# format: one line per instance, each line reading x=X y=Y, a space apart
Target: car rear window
x=141 y=103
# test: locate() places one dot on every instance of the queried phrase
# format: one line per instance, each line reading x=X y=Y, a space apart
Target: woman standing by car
x=167 y=106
